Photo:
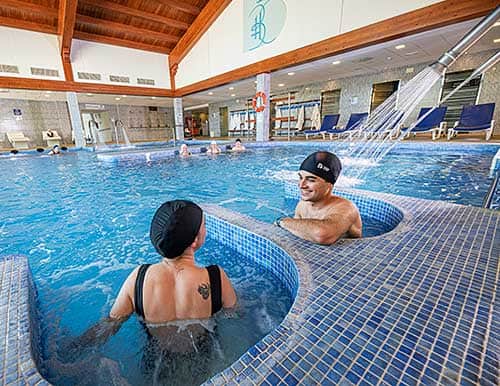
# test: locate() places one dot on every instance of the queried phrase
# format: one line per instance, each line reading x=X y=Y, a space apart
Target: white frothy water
x=385 y=121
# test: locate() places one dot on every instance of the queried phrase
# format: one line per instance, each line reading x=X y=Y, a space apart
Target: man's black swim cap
x=174 y=227
x=323 y=164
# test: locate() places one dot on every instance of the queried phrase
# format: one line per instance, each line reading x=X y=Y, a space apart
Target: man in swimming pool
x=320 y=216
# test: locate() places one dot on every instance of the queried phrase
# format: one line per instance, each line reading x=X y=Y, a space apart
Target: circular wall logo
x=263 y=22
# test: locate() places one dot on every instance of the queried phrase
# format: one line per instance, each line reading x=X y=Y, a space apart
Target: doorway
x=330 y=103
x=382 y=91
x=97 y=127
x=223 y=121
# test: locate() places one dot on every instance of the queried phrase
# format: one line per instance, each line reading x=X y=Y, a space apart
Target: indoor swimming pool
x=84 y=225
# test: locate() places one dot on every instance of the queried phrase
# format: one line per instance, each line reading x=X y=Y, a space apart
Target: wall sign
x=263 y=21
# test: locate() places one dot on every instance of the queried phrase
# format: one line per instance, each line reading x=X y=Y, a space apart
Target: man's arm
x=325 y=231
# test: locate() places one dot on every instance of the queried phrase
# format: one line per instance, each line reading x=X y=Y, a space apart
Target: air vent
x=89 y=76
x=120 y=79
x=149 y=82
x=9 y=68
x=44 y=72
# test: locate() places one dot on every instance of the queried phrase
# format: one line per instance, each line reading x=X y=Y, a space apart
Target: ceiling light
x=237 y=101
x=307 y=88
x=124 y=96
x=497 y=24
x=400 y=47
x=291 y=73
x=411 y=53
x=231 y=88
x=255 y=81
x=389 y=58
x=210 y=93
x=153 y=97
x=117 y=98
x=89 y=94
x=281 y=84
x=47 y=95
x=49 y=92
x=233 y=95
x=496 y=40
x=336 y=62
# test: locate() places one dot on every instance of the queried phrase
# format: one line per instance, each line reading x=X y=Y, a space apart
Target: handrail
x=491 y=192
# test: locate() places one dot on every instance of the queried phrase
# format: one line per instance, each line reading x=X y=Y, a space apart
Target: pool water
x=84 y=225
x=69 y=307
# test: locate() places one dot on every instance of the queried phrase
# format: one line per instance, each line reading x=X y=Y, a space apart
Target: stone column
x=262 y=124
x=179 y=119
x=76 y=119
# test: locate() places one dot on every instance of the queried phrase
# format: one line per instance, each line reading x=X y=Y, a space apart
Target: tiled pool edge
x=283 y=354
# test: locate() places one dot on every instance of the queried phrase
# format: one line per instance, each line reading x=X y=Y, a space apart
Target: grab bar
x=488 y=199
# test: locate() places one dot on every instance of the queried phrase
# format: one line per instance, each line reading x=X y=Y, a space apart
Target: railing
x=490 y=195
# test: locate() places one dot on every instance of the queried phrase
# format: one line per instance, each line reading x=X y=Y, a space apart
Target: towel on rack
x=300 y=118
x=315 y=118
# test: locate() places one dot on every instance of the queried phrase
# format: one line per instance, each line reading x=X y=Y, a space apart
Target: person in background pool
x=213 y=148
x=55 y=150
x=184 y=152
x=320 y=216
x=238 y=146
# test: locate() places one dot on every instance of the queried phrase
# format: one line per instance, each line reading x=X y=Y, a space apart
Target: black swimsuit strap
x=215 y=287
x=138 y=293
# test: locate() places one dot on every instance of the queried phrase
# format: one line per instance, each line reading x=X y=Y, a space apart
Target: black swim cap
x=174 y=227
x=323 y=164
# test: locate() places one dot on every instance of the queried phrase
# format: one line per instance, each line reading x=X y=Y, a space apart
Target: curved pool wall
x=416 y=305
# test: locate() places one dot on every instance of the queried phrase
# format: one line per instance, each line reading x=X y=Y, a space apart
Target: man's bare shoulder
x=341 y=204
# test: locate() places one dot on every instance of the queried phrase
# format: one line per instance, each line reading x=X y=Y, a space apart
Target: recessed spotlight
x=307 y=88
x=496 y=40
x=49 y=92
x=210 y=93
x=400 y=47
x=231 y=88
x=124 y=96
x=89 y=94
x=336 y=62
x=281 y=84
x=117 y=98
x=389 y=58
x=233 y=95
x=255 y=81
x=291 y=73
x=153 y=97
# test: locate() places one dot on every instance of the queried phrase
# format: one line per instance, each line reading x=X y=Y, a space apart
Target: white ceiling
x=420 y=48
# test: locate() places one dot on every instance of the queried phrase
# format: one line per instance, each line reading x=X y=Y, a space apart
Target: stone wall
x=356 y=91
x=38 y=116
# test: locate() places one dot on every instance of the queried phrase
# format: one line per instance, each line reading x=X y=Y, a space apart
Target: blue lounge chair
x=475 y=118
x=329 y=122
x=434 y=122
x=355 y=120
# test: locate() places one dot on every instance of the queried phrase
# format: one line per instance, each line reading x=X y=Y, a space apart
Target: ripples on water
x=85 y=225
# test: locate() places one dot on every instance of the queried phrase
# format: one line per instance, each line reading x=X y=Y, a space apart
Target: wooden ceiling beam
x=200 y=25
x=65 y=30
x=96 y=88
x=124 y=28
x=181 y=6
x=23 y=6
x=120 y=42
x=28 y=25
x=440 y=14
x=115 y=7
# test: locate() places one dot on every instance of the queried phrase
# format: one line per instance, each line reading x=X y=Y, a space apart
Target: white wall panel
x=306 y=23
x=109 y=60
x=27 y=49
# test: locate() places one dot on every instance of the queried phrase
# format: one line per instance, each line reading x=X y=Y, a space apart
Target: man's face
x=313 y=188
